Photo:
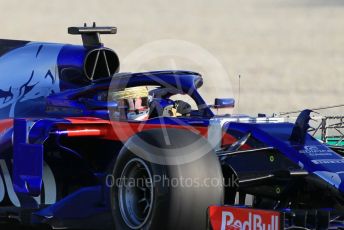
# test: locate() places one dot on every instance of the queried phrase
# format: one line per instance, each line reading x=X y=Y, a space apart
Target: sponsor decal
x=313 y=150
x=328 y=161
x=229 y=217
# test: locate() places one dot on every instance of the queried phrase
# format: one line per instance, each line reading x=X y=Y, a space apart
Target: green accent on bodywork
x=272 y=158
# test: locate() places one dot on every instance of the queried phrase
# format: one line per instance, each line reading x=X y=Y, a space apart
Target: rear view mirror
x=224 y=103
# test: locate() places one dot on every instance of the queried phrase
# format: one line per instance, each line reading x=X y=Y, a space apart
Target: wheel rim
x=135 y=194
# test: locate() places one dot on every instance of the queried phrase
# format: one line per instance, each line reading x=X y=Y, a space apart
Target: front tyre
x=150 y=195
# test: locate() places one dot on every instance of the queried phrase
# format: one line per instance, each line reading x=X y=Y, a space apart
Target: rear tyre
x=167 y=202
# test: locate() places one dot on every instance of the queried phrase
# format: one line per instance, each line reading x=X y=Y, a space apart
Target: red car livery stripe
x=5 y=124
x=229 y=217
x=228 y=140
x=116 y=130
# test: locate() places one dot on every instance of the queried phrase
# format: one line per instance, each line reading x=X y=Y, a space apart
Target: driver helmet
x=132 y=103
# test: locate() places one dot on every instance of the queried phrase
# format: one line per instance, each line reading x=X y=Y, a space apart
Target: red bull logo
x=230 y=218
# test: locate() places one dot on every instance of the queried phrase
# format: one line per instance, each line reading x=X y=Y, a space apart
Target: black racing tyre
x=163 y=204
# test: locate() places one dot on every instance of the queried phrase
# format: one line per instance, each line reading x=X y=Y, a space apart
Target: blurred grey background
x=289 y=53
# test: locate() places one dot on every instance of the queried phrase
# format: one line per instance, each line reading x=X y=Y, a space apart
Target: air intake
x=100 y=63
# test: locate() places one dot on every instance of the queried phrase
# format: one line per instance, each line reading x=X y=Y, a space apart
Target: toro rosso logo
x=225 y=218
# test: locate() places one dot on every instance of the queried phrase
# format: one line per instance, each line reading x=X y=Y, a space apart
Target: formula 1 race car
x=84 y=146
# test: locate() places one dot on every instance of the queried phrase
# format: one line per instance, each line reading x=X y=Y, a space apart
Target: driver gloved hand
x=182 y=107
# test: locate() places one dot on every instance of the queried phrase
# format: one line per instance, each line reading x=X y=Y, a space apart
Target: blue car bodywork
x=52 y=125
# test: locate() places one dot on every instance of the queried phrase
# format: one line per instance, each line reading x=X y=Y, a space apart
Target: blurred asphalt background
x=290 y=53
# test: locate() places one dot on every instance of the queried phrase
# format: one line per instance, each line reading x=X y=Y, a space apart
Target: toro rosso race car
x=84 y=146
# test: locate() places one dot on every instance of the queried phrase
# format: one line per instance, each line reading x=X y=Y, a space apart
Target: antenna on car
x=90 y=34
x=313 y=109
x=239 y=89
